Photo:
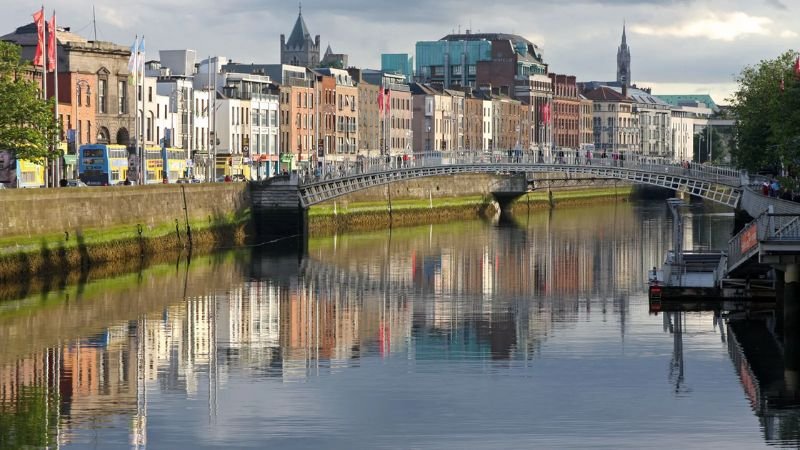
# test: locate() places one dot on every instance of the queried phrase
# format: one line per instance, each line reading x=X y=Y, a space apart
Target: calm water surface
x=535 y=334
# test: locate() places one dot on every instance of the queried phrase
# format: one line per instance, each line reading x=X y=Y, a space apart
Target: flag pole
x=57 y=162
x=140 y=101
x=44 y=89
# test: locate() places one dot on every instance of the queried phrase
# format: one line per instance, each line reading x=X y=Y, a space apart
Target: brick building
x=566 y=110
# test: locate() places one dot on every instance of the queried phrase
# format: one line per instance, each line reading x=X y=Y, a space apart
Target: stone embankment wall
x=47 y=230
x=442 y=199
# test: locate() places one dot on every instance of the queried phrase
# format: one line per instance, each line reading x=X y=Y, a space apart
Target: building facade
x=615 y=122
x=565 y=110
x=585 y=123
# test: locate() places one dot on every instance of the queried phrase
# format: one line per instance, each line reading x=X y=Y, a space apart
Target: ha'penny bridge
x=763 y=257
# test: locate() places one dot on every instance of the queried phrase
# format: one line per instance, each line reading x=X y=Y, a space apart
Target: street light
x=76 y=130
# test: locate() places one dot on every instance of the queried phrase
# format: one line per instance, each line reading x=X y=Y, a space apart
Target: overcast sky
x=677 y=46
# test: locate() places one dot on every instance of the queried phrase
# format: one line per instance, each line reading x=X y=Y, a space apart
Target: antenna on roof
x=94 y=22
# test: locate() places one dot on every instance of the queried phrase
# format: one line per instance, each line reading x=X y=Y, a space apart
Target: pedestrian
x=765 y=188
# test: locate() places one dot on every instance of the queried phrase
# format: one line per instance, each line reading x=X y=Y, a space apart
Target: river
x=531 y=334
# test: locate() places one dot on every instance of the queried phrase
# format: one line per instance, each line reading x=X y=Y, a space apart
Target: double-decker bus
x=102 y=164
x=165 y=163
x=19 y=172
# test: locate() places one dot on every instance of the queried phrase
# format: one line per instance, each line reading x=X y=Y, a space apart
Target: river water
x=530 y=334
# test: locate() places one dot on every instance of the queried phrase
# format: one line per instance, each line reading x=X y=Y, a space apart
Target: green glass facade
x=398 y=63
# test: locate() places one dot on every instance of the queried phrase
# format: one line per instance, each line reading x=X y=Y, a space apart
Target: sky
x=677 y=46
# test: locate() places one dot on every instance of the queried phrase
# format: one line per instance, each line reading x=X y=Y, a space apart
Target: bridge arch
x=720 y=185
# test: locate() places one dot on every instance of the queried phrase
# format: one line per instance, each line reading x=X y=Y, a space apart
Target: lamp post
x=81 y=83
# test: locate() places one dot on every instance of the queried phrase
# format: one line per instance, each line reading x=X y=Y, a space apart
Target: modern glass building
x=454 y=60
x=398 y=63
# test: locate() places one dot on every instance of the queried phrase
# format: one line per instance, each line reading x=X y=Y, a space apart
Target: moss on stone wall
x=347 y=215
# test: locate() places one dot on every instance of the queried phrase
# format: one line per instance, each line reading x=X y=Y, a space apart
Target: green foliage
x=27 y=123
x=768 y=118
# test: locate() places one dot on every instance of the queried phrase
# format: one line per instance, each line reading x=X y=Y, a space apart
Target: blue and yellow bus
x=169 y=163
x=102 y=164
x=19 y=172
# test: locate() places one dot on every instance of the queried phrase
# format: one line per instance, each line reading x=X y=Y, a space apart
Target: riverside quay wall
x=51 y=230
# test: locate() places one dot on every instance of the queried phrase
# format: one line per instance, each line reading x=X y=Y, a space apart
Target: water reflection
x=308 y=345
x=766 y=366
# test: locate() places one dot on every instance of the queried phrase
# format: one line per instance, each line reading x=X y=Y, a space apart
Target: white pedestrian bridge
x=333 y=179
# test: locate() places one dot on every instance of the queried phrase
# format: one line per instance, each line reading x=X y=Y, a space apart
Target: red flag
x=380 y=100
x=387 y=98
x=38 y=19
x=797 y=68
x=546 y=112
x=51 y=44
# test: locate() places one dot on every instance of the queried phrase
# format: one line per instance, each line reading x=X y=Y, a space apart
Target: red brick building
x=566 y=111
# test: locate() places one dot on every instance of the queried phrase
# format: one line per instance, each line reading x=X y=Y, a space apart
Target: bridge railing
x=343 y=166
x=766 y=227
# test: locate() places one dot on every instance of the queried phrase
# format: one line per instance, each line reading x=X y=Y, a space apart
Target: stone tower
x=300 y=50
x=624 y=62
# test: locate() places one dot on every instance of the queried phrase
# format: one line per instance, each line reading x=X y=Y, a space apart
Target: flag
x=132 y=64
x=38 y=19
x=546 y=112
x=380 y=100
x=141 y=54
x=387 y=99
x=51 y=44
x=797 y=68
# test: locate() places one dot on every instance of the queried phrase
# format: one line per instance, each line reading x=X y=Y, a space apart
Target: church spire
x=300 y=8
x=624 y=40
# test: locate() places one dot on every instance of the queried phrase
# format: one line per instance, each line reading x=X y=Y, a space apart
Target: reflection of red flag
x=38 y=19
x=51 y=44
x=380 y=100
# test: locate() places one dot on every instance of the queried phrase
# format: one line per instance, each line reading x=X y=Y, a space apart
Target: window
x=102 y=91
x=88 y=131
x=150 y=94
x=122 y=88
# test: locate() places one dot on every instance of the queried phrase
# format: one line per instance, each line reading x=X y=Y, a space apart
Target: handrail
x=767 y=226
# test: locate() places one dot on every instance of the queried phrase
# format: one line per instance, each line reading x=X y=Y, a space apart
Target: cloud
x=788 y=34
x=776 y=3
x=728 y=27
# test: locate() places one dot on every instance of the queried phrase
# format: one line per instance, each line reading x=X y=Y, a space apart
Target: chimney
x=625 y=90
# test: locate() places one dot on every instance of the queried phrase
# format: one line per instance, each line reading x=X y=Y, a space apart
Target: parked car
x=187 y=180
x=3 y=186
x=75 y=183
x=238 y=178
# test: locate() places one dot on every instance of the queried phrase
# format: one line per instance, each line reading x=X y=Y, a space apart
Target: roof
x=423 y=89
x=27 y=35
x=532 y=53
x=689 y=99
x=300 y=33
x=606 y=94
x=642 y=97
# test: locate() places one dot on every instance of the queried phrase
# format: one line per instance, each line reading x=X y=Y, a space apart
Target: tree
x=767 y=110
x=27 y=123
